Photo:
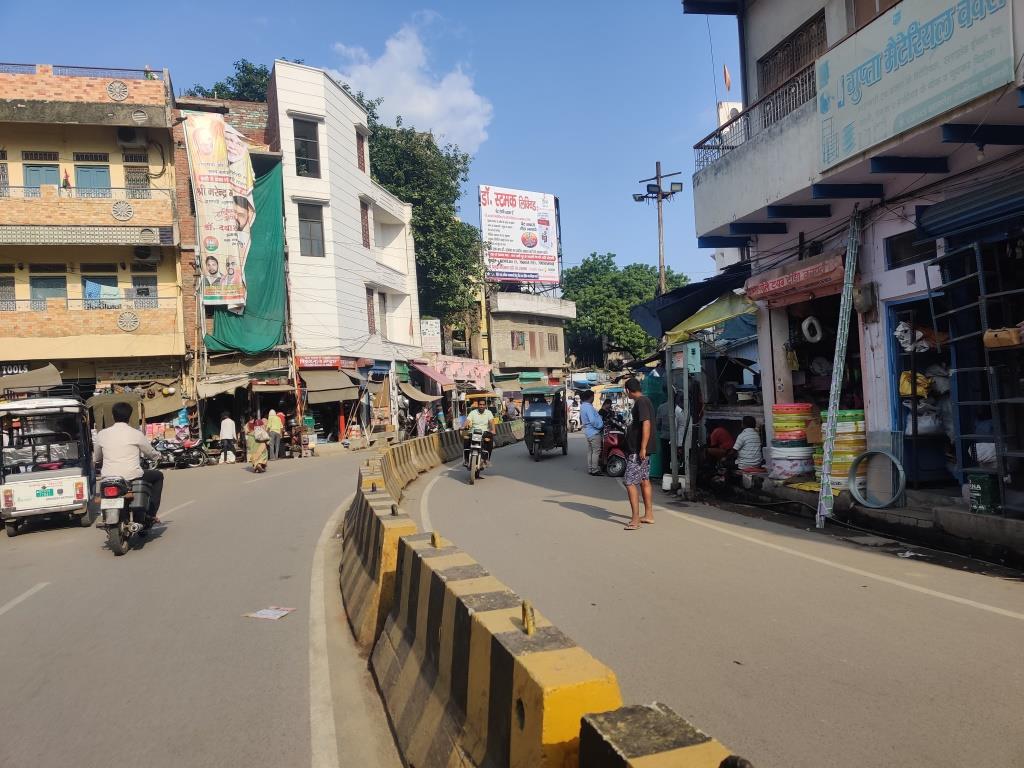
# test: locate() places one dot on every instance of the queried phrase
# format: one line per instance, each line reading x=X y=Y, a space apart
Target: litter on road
x=273 y=613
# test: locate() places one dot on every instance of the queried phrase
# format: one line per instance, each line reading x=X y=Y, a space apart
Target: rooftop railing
x=763 y=113
x=120 y=74
x=82 y=193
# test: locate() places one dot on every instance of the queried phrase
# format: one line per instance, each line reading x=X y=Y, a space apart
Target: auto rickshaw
x=545 y=417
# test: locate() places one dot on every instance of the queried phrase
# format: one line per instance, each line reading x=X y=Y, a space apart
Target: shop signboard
x=222 y=184
x=821 y=276
x=520 y=234
x=318 y=361
x=10 y=369
x=430 y=334
x=916 y=61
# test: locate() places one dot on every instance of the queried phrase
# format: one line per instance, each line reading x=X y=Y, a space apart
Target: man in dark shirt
x=641 y=444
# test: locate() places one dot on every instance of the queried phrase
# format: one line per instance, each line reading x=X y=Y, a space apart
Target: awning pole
x=673 y=440
x=826 y=501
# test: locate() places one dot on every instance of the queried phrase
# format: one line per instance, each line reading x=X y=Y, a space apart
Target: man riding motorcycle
x=118 y=449
x=481 y=418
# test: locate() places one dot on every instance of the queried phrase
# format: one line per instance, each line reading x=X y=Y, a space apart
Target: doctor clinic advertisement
x=222 y=180
x=520 y=233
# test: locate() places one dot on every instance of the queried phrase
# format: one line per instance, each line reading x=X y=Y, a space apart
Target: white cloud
x=448 y=105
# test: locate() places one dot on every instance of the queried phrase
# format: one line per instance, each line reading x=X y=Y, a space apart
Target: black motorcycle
x=179 y=455
x=124 y=511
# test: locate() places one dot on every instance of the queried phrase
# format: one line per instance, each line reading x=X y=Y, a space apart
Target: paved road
x=796 y=649
x=146 y=660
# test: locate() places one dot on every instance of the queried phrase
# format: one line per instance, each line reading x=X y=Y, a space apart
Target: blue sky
x=574 y=98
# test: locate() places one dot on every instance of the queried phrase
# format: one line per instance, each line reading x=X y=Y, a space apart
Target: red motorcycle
x=613 y=449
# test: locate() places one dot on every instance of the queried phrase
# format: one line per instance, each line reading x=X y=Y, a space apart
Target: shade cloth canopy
x=41 y=378
x=161 y=405
x=208 y=389
x=725 y=307
x=264 y=388
x=666 y=312
x=100 y=406
x=414 y=394
x=332 y=395
x=319 y=381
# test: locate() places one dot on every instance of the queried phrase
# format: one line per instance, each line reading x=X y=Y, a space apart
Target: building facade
x=89 y=275
x=908 y=114
x=526 y=332
x=352 y=269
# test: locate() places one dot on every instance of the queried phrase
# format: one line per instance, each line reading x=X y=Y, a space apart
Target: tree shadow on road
x=598 y=513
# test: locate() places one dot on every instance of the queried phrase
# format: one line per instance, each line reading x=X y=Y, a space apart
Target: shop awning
x=799 y=281
x=527 y=376
x=161 y=405
x=725 y=307
x=989 y=205
x=332 y=395
x=432 y=373
x=42 y=378
x=207 y=389
x=663 y=313
x=100 y=406
x=319 y=381
x=414 y=394
x=264 y=388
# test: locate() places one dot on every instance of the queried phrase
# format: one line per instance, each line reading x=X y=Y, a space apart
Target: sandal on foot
x=631 y=527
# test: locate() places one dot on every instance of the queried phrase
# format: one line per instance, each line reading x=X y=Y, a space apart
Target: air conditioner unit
x=131 y=138
x=146 y=256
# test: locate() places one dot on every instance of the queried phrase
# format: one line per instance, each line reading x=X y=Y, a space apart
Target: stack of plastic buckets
x=851 y=441
x=791 y=455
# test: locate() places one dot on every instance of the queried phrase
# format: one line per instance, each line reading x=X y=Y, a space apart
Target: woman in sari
x=257 y=448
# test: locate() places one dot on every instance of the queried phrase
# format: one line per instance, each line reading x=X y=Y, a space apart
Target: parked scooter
x=613 y=449
x=124 y=508
x=178 y=455
x=575 y=419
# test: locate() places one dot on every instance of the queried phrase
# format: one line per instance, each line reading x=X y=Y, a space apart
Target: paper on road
x=273 y=613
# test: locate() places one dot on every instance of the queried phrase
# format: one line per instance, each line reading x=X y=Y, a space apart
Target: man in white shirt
x=748 y=445
x=481 y=417
x=118 y=448
x=228 y=435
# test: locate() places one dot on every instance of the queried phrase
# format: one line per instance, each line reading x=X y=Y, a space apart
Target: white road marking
x=848 y=568
x=166 y=515
x=268 y=476
x=323 y=736
x=425 y=507
x=22 y=597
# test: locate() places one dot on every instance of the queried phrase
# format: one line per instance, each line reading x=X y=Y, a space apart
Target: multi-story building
x=352 y=269
x=89 y=277
x=908 y=113
x=526 y=333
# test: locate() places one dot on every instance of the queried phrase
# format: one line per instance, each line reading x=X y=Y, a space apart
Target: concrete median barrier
x=468 y=679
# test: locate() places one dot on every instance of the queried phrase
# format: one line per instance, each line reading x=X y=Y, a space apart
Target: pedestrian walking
x=592 y=426
x=421 y=422
x=257 y=438
x=641 y=443
x=228 y=436
x=275 y=428
x=512 y=410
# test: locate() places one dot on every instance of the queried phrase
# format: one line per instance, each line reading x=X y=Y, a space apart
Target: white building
x=352 y=268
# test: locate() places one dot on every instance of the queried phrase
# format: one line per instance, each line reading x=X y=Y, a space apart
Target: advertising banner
x=222 y=183
x=430 y=333
x=520 y=233
x=914 y=62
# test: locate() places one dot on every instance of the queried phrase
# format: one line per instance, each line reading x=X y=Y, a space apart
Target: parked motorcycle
x=188 y=453
x=476 y=455
x=613 y=449
x=124 y=508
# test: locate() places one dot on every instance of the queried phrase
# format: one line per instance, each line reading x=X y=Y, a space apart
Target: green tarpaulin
x=260 y=327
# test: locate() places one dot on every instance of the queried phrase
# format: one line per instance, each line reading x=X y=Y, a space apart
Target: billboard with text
x=520 y=234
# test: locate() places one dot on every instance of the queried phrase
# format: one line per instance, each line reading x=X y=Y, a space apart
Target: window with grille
x=904 y=250
x=136 y=181
x=553 y=342
x=3 y=154
x=7 y=302
x=92 y=157
x=371 y=320
x=100 y=292
x=4 y=188
x=307 y=148
x=364 y=215
x=145 y=292
x=47 y=269
x=792 y=55
x=135 y=157
x=49 y=157
x=518 y=340
x=311 y=230
x=361 y=150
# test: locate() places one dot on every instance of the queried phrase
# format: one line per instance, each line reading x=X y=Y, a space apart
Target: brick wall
x=58 y=321
x=51 y=209
x=45 y=86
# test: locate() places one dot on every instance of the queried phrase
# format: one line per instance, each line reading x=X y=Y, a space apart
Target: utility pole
x=655 y=192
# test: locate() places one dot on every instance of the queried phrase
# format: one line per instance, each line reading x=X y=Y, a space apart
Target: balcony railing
x=765 y=112
x=17 y=69
x=106 y=193
x=110 y=303
x=120 y=74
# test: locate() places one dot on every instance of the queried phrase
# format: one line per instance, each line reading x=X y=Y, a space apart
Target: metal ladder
x=826 y=501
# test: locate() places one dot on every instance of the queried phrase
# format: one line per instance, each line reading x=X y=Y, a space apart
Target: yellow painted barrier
x=464 y=681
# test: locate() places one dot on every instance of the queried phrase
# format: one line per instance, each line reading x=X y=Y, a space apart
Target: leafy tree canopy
x=604 y=294
x=249 y=83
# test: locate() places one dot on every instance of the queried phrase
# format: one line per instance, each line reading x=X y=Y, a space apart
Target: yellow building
x=89 y=277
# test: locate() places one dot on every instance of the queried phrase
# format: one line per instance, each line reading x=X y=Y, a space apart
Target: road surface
x=796 y=649
x=146 y=659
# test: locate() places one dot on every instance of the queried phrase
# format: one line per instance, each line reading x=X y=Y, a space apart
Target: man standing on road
x=641 y=442
x=228 y=435
x=275 y=427
x=592 y=425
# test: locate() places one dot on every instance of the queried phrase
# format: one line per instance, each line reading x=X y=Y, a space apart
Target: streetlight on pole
x=654 y=191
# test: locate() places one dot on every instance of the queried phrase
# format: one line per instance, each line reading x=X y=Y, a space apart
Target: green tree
x=604 y=294
x=249 y=83
x=415 y=168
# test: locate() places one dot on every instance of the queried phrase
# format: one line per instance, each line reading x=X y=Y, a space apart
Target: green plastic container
x=984 y=494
